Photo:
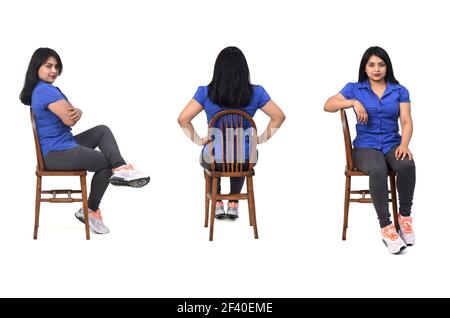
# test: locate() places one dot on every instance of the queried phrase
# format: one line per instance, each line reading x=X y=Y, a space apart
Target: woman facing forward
x=379 y=101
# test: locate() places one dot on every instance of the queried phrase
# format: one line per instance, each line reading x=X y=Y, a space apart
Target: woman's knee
x=379 y=170
x=103 y=128
x=406 y=166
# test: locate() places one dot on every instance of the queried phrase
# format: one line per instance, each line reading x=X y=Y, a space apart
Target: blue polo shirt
x=381 y=130
x=53 y=134
x=259 y=99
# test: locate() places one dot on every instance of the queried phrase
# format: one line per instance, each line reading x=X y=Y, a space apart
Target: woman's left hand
x=402 y=152
x=74 y=113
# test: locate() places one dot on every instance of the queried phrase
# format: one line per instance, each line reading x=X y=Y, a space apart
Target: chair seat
x=229 y=174
x=356 y=172
x=60 y=173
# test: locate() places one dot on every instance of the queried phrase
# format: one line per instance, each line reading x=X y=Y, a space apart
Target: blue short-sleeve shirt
x=381 y=131
x=53 y=134
x=259 y=99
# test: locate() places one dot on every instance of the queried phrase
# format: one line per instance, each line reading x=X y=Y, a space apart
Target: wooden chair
x=231 y=123
x=352 y=171
x=42 y=172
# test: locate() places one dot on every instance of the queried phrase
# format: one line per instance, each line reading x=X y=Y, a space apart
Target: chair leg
x=37 y=206
x=248 y=201
x=251 y=205
x=207 y=189
x=346 y=206
x=85 y=206
x=394 y=200
x=213 y=208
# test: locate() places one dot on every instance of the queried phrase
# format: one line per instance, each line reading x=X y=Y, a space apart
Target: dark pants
x=376 y=164
x=84 y=157
x=236 y=184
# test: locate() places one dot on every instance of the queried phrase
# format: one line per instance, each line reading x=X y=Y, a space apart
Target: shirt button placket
x=379 y=118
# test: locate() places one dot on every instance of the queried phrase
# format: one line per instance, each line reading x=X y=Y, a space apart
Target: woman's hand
x=402 y=152
x=361 y=113
x=74 y=113
x=204 y=141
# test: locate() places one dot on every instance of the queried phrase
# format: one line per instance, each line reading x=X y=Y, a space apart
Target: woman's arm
x=74 y=113
x=192 y=109
x=338 y=102
x=407 y=129
x=276 y=119
x=62 y=108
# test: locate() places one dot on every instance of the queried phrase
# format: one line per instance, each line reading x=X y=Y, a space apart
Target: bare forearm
x=334 y=104
x=272 y=128
x=407 y=130
x=189 y=130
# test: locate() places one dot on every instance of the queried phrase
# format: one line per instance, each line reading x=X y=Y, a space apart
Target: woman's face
x=49 y=71
x=376 y=69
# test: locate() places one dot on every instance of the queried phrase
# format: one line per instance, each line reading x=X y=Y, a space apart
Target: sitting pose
x=378 y=101
x=230 y=89
x=61 y=150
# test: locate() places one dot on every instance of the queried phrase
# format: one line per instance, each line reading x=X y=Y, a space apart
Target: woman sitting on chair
x=230 y=89
x=61 y=150
x=378 y=101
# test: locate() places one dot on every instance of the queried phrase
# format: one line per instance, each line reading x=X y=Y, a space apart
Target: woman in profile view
x=61 y=150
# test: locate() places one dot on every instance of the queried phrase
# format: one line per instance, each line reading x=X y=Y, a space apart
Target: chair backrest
x=40 y=161
x=235 y=127
x=347 y=140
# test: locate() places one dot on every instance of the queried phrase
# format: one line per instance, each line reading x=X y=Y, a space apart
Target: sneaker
x=126 y=175
x=220 y=212
x=95 y=221
x=406 y=231
x=392 y=240
x=233 y=210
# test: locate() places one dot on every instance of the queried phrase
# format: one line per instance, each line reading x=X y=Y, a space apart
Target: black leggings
x=376 y=164
x=84 y=157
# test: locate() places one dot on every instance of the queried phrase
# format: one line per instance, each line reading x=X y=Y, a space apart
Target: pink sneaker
x=406 y=230
x=392 y=240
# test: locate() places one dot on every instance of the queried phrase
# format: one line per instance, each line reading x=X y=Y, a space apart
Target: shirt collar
x=389 y=86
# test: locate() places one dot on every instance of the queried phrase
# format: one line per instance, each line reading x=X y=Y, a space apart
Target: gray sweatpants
x=85 y=157
x=376 y=164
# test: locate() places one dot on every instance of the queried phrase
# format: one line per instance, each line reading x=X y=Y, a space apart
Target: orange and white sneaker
x=95 y=221
x=126 y=175
x=406 y=230
x=233 y=210
x=392 y=240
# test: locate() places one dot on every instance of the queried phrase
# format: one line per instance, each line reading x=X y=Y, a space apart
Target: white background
x=134 y=66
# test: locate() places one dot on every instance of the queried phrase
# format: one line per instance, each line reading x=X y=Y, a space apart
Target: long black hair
x=382 y=54
x=40 y=56
x=230 y=85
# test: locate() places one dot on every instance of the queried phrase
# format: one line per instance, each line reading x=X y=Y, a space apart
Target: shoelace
x=96 y=214
x=127 y=170
x=406 y=224
x=125 y=167
x=233 y=205
x=390 y=232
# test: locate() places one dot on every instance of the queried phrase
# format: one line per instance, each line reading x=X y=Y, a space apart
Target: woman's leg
x=102 y=137
x=373 y=162
x=84 y=158
x=236 y=185
x=406 y=180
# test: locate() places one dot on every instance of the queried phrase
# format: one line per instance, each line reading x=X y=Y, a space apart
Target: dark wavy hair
x=40 y=56
x=230 y=85
x=382 y=54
